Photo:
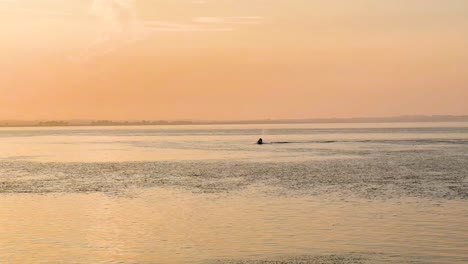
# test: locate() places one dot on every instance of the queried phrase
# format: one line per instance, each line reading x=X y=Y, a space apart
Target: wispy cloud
x=117 y=26
x=116 y=14
x=121 y=26
x=232 y=20
x=154 y=26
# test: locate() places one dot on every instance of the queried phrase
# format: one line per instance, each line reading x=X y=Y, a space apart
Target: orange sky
x=232 y=59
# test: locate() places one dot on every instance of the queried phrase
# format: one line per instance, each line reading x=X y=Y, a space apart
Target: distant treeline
x=395 y=119
x=91 y=123
x=60 y=123
x=138 y=123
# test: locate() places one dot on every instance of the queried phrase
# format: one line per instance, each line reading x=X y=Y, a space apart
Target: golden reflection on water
x=173 y=226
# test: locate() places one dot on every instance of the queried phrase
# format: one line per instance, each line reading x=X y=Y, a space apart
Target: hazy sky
x=232 y=59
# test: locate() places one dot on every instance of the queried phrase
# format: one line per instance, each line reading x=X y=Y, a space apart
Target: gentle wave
x=396 y=141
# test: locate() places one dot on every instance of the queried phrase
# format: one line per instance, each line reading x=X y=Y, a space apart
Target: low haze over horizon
x=232 y=59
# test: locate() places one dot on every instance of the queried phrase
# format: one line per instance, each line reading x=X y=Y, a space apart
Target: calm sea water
x=334 y=193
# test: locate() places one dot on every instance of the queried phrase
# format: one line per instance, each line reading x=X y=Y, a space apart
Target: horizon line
x=140 y=122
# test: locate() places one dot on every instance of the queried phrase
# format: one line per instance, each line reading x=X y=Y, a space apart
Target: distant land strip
x=395 y=119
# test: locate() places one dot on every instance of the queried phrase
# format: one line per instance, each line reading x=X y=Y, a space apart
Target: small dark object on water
x=260 y=141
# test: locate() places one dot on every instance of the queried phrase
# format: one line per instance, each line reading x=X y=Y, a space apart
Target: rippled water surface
x=335 y=193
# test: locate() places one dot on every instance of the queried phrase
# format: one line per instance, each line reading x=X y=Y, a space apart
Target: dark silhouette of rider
x=260 y=141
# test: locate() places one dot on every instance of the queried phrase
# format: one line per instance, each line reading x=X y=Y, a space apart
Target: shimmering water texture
x=354 y=193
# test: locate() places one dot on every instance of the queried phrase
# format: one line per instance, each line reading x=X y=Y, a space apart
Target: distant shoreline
x=81 y=123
